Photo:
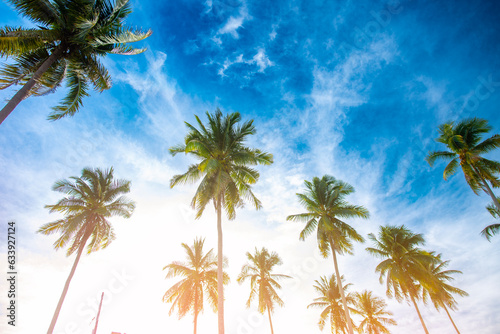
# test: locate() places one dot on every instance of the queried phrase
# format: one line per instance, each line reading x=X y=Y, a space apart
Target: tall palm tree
x=372 y=309
x=463 y=141
x=90 y=200
x=438 y=289
x=263 y=283
x=490 y=230
x=325 y=203
x=200 y=275
x=404 y=264
x=331 y=301
x=223 y=167
x=70 y=37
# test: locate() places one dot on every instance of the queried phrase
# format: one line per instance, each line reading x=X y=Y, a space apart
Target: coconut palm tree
x=372 y=309
x=331 y=301
x=263 y=283
x=223 y=167
x=200 y=275
x=70 y=37
x=463 y=141
x=404 y=264
x=90 y=200
x=325 y=203
x=490 y=230
x=438 y=289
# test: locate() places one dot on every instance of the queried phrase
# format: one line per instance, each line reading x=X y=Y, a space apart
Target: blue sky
x=351 y=89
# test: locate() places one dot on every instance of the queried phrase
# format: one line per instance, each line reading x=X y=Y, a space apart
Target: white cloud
x=273 y=33
x=232 y=25
x=260 y=59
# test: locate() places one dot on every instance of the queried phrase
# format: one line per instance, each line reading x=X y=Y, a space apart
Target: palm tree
x=90 y=200
x=372 y=309
x=465 y=149
x=263 y=283
x=331 y=301
x=404 y=264
x=490 y=230
x=70 y=37
x=200 y=275
x=223 y=168
x=439 y=291
x=325 y=203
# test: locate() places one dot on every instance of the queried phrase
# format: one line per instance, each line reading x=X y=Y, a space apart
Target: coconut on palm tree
x=492 y=229
x=439 y=290
x=263 y=283
x=331 y=301
x=325 y=203
x=224 y=169
x=404 y=265
x=70 y=38
x=90 y=200
x=200 y=280
x=465 y=150
x=373 y=311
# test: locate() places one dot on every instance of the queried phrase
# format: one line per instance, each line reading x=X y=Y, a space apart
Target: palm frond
x=41 y=11
x=490 y=230
x=18 y=41
x=123 y=36
x=73 y=101
x=444 y=155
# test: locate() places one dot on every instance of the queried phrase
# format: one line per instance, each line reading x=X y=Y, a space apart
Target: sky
x=356 y=90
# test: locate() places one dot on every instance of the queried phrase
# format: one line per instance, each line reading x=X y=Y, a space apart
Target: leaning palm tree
x=70 y=37
x=331 y=301
x=263 y=283
x=325 y=203
x=90 y=200
x=490 y=230
x=463 y=141
x=438 y=289
x=223 y=168
x=404 y=264
x=372 y=309
x=200 y=275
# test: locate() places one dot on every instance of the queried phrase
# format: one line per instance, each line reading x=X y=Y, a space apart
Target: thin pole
x=98 y=313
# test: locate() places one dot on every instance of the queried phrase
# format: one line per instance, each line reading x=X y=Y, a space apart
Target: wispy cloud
x=233 y=24
x=260 y=59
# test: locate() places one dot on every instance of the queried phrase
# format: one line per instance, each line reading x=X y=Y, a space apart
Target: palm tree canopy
x=325 y=203
x=263 y=283
x=200 y=277
x=438 y=289
x=490 y=230
x=372 y=309
x=330 y=301
x=223 y=162
x=465 y=147
x=404 y=263
x=79 y=32
x=90 y=200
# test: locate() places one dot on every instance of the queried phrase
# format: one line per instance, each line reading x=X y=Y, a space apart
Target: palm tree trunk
x=270 y=322
x=195 y=309
x=220 y=277
x=195 y=319
x=449 y=316
x=490 y=192
x=24 y=91
x=66 y=286
x=420 y=316
x=341 y=289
